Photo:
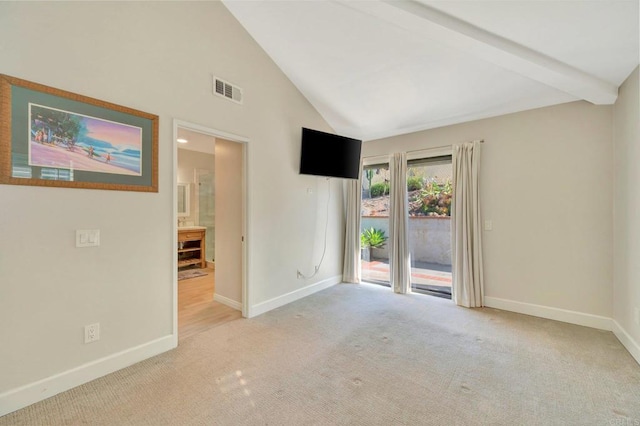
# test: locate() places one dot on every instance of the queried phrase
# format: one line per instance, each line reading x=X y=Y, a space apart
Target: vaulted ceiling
x=383 y=68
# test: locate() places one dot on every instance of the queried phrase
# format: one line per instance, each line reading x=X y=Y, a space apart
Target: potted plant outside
x=369 y=239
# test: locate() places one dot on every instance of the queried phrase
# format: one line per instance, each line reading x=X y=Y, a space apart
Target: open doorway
x=210 y=223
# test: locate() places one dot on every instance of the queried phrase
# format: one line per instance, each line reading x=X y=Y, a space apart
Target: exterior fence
x=429 y=238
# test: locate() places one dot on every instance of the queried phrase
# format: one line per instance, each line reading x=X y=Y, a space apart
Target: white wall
x=156 y=57
x=546 y=185
x=228 y=201
x=626 y=187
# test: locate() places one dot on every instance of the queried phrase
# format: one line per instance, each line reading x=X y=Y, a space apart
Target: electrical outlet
x=91 y=332
x=87 y=237
x=636 y=315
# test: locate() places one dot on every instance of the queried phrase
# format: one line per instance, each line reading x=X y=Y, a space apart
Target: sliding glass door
x=374 y=224
x=429 y=196
x=429 y=191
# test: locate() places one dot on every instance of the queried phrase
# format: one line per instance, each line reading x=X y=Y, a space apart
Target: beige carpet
x=361 y=355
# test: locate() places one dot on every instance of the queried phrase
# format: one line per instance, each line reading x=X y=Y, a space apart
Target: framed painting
x=50 y=137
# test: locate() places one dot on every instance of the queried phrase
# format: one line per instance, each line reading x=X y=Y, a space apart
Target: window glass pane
x=429 y=195
x=374 y=224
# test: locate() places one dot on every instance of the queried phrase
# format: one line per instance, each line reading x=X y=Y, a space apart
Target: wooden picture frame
x=51 y=137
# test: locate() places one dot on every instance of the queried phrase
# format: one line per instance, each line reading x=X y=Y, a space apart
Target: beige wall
x=626 y=187
x=156 y=57
x=229 y=219
x=546 y=185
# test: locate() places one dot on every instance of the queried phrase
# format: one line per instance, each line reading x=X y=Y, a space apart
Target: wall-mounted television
x=325 y=154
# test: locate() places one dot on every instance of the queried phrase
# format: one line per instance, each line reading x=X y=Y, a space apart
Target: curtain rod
x=437 y=147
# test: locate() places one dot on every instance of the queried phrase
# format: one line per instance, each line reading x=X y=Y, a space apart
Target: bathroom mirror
x=183 y=199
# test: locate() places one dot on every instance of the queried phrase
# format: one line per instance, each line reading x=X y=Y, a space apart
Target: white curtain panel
x=466 y=230
x=351 y=268
x=399 y=259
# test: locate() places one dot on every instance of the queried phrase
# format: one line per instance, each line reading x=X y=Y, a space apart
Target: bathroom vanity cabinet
x=191 y=246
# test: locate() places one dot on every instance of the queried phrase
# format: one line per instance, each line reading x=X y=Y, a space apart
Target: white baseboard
x=276 y=302
x=229 y=302
x=627 y=341
x=23 y=396
x=564 y=315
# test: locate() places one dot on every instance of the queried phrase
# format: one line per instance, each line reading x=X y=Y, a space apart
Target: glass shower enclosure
x=205 y=191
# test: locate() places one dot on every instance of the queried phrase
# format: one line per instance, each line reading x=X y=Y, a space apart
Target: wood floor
x=197 y=311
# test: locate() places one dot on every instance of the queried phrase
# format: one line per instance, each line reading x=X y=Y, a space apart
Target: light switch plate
x=87 y=237
x=488 y=225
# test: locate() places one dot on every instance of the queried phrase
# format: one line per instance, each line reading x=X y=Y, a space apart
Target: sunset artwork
x=66 y=140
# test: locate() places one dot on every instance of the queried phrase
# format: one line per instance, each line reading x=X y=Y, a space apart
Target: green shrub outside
x=435 y=199
x=379 y=189
x=414 y=183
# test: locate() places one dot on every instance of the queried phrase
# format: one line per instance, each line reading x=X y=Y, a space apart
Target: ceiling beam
x=455 y=33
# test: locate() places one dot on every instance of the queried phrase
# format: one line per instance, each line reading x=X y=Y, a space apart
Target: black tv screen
x=325 y=154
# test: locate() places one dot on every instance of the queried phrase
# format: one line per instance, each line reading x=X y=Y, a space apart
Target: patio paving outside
x=422 y=273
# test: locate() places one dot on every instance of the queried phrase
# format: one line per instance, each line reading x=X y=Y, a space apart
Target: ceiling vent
x=227 y=90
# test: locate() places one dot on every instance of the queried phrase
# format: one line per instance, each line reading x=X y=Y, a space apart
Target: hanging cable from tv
x=326 y=226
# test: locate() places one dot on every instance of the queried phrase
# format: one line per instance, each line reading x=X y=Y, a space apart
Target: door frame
x=245 y=208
